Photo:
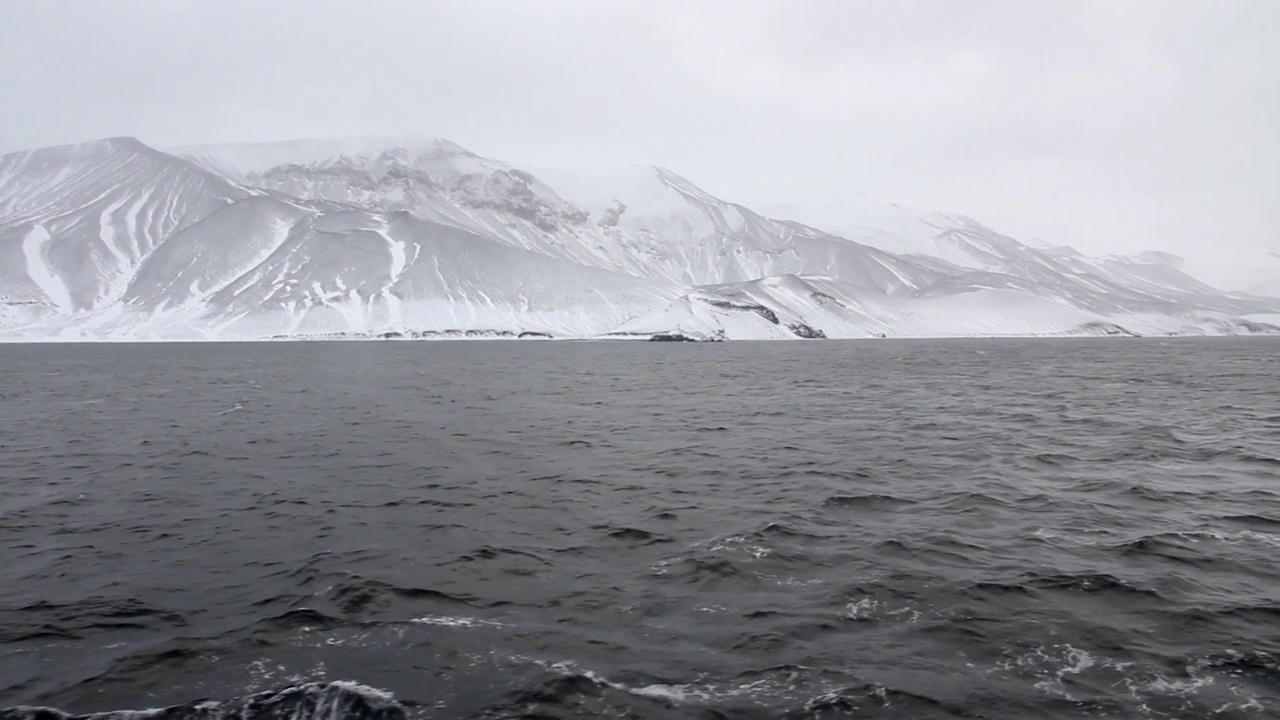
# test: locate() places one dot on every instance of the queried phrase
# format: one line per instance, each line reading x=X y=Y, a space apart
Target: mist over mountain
x=419 y=237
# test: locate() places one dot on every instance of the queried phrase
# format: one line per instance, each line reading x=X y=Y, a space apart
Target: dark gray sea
x=871 y=529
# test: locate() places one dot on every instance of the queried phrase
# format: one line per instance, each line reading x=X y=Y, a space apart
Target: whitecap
x=449 y=621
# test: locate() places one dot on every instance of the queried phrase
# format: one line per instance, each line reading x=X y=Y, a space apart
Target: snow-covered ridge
x=419 y=237
x=241 y=160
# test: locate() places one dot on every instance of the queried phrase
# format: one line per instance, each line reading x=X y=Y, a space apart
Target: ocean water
x=873 y=529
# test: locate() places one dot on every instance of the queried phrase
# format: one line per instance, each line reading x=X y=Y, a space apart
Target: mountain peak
x=88 y=148
x=413 y=236
x=243 y=159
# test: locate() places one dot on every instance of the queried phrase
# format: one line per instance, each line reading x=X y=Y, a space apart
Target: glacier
x=421 y=238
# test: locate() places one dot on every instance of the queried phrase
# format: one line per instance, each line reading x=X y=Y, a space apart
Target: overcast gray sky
x=1106 y=124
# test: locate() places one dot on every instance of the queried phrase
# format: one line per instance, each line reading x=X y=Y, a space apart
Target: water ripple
x=995 y=529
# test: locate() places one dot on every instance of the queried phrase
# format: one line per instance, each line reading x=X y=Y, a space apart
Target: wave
x=312 y=701
x=300 y=618
x=781 y=692
x=726 y=556
x=1253 y=521
x=1080 y=680
x=455 y=621
x=1093 y=583
x=1177 y=545
x=1145 y=492
x=360 y=595
x=1089 y=583
x=871 y=700
x=757 y=693
x=1162 y=444
x=775 y=529
x=588 y=695
x=633 y=536
x=931 y=548
x=488 y=552
x=965 y=501
x=1249 y=615
x=1055 y=459
x=872 y=501
x=703 y=573
x=870 y=609
x=1258 y=665
x=73 y=620
x=1254 y=458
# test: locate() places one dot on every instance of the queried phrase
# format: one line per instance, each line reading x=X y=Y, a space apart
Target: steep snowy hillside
x=118 y=240
x=1151 y=282
x=789 y=307
x=647 y=222
x=75 y=221
x=1151 y=272
x=899 y=229
x=421 y=237
x=650 y=222
x=357 y=271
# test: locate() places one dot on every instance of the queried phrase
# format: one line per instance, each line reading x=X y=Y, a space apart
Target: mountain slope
x=648 y=222
x=75 y=221
x=379 y=236
x=789 y=307
x=364 y=272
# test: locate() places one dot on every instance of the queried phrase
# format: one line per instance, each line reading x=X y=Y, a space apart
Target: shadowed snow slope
x=421 y=237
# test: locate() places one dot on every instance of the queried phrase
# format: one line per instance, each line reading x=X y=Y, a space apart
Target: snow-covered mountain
x=421 y=237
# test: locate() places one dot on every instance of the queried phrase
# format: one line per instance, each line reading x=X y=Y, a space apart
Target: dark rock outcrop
x=1105 y=329
x=760 y=310
x=805 y=331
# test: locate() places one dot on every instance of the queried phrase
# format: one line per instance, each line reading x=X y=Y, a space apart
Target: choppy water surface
x=897 y=529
